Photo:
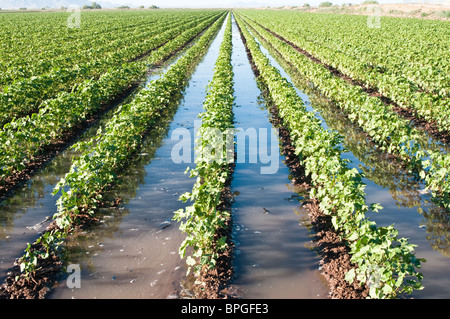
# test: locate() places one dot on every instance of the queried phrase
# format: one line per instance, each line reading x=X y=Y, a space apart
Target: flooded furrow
x=273 y=257
x=405 y=203
x=29 y=210
x=133 y=253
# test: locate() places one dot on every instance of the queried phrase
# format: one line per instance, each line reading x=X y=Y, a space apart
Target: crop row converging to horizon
x=75 y=74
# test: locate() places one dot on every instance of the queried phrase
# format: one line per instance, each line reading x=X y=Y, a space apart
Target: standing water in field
x=29 y=210
x=405 y=203
x=134 y=252
x=273 y=256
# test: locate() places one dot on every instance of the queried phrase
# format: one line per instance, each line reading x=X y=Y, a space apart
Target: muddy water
x=405 y=203
x=273 y=257
x=134 y=253
x=25 y=214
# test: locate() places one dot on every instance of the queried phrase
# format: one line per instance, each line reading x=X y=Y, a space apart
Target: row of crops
x=109 y=151
x=339 y=189
x=75 y=67
x=28 y=129
x=392 y=133
x=47 y=95
x=207 y=221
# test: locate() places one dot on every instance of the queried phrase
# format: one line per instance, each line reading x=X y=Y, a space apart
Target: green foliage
x=25 y=137
x=105 y=155
x=94 y=5
x=391 y=132
x=29 y=80
x=444 y=14
x=202 y=220
x=383 y=261
x=325 y=4
x=414 y=75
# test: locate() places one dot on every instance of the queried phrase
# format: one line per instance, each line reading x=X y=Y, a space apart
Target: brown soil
x=215 y=282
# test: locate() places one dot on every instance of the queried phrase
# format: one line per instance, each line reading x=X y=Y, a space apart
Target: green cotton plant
x=419 y=86
x=340 y=191
x=392 y=133
x=27 y=94
x=385 y=263
x=202 y=220
x=24 y=138
x=106 y=154
x=50 y=241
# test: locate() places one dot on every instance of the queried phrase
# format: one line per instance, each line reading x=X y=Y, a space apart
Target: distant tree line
x=325 y=4
x=329 y=4
x=140 y=7
x=94 y=5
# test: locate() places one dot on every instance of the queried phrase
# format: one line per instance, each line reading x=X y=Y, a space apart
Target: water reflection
x=273 y=257
x=29 y=210
x=381 y=169
x=25 y=213
x=133 y=251
x=406 y=204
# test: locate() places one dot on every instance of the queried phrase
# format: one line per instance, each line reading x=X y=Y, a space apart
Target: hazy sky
x=192 y=4
x=272 y=3
x=218 y=3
